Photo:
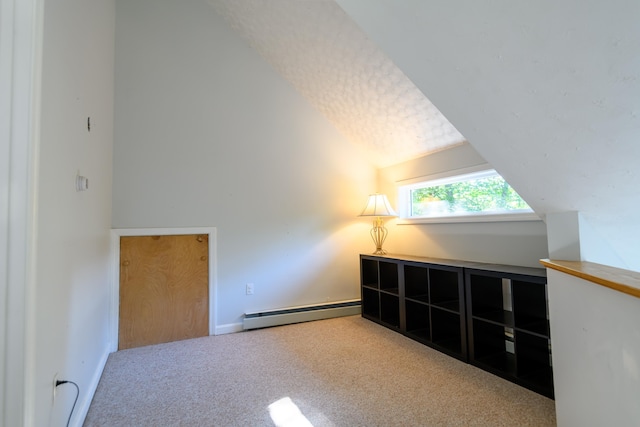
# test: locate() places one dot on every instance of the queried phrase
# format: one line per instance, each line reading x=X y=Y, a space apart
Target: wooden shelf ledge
x=624 y=281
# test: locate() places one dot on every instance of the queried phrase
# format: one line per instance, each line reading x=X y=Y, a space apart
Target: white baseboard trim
x=229 y=328
x=84 y=404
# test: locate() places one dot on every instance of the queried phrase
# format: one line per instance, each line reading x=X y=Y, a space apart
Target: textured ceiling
x=327 y=58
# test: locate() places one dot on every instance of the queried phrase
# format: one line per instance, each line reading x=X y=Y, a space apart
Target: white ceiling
x=332 y=63
x=547 y=92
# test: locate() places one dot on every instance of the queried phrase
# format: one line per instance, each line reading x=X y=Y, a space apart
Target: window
x=474 y=196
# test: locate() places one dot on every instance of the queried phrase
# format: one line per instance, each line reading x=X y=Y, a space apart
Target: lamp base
x=378 y=234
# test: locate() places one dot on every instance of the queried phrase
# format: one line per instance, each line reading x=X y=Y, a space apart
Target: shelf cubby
x=370 y=303
x=416 y=283
x=533 y=362
x=390 y=309
x=489 y=339
x=369 y=273
x=417 y=320
x=533 y=353
x=446 y=330
x=487 y=300
x=388 y=273
x=530 y=307
x=444 y=289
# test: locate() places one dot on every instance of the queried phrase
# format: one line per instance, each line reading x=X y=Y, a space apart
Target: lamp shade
x=378 y=205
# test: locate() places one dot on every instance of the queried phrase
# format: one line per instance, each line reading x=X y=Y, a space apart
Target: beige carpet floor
x=338 y=372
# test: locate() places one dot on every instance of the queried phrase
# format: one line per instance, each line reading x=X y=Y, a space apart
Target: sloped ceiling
x=338 y=69
x=547 y=92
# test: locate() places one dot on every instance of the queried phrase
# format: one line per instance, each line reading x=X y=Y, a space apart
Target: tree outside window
x=471 y=194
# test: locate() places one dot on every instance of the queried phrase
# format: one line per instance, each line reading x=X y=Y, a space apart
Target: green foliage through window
x=479 y=193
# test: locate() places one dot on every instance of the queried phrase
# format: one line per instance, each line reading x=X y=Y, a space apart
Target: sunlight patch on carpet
x=285 y=413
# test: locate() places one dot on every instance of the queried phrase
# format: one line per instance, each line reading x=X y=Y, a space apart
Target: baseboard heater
x=305 y=313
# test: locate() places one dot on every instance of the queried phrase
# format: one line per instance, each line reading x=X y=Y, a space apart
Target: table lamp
x=378 y=206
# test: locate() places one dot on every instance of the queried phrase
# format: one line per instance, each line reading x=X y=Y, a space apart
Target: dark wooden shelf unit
x=430 y=299
x=492 y=316
x=380 y=292
x=508 y=327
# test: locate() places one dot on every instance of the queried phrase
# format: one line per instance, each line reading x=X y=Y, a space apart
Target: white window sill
x=525 y=216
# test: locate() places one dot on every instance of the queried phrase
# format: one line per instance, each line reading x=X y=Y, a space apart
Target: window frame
x=404 y=188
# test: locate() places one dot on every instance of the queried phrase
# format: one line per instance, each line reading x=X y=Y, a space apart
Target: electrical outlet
x=55 y=385
x=249 y=288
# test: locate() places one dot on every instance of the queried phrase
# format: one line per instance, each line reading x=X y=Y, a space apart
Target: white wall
x=73 y=285
x=20 y=52
x=547 y=92
x=596 y=353
x=207 y=134
x=515 y=243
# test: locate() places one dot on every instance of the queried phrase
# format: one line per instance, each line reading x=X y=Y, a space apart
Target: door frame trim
x=116 y=233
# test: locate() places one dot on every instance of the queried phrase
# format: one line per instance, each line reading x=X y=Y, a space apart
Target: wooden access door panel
x=164 y=289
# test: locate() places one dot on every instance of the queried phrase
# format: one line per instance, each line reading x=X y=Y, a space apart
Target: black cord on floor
x=76 y=399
